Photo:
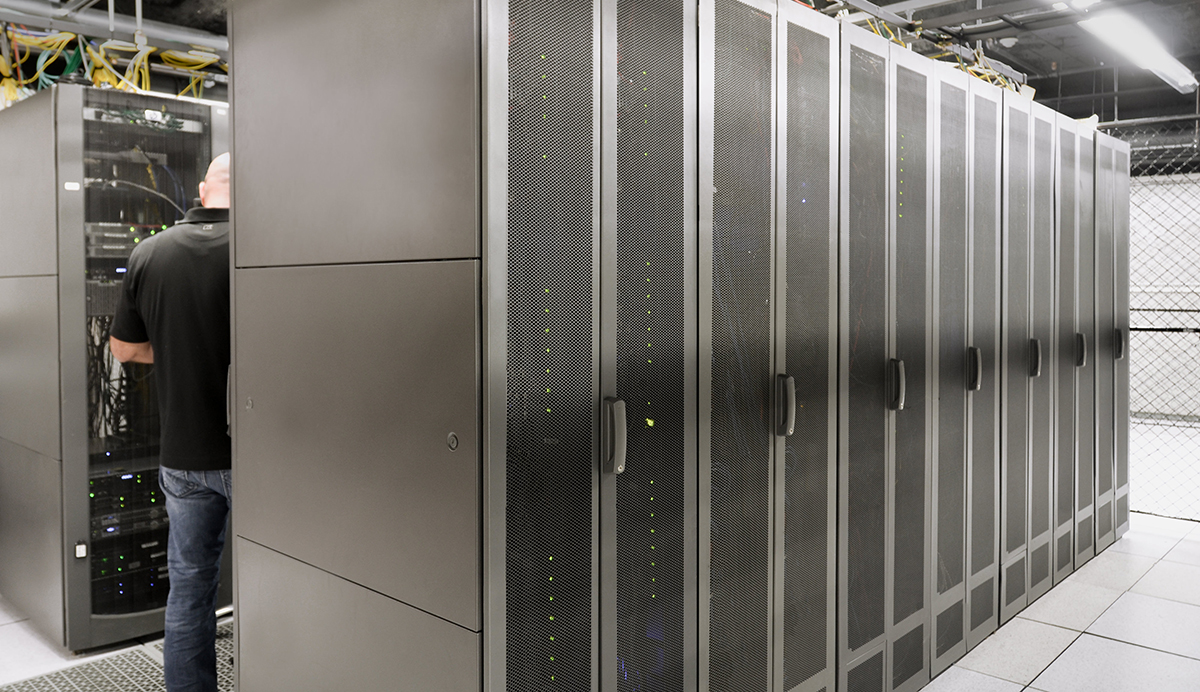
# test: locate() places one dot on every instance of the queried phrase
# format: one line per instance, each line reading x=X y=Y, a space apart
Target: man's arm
x=131 y=353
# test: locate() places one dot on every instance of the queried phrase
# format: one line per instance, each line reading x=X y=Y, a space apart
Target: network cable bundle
x=655 y=346
x=91 y=174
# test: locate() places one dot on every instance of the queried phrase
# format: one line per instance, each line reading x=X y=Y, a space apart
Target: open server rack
x=706 y=347
x=83 y=527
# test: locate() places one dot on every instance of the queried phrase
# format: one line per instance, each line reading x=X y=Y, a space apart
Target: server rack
x=983 y=472
x=1085 y=339
x=1066 y=235
x=952 y=223
x=1121 y=201
x=1042 y=366
x=91 y=173
x=1015 y=372
x=1105 y=342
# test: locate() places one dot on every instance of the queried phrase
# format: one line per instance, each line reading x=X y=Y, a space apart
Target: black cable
x=114 y=183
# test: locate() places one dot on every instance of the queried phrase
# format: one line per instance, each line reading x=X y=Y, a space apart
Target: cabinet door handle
x=1081 y=350
x=901 y=385
x=785 y=405
x=1035 y=357
x=613 y=435
x=1120 y=346
x=976 y=356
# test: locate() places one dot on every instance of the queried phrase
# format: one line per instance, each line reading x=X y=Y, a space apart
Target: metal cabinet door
x=737 y=255
x=983 y=470
x=1015 y=374
x=951 y=226
x=1066 y=231
x=649 y=572
x=1121 y=201
x=1085 y=372
x=864 y=451
x=1105 y=333
x=806 y=348
x=1042 y=365
x=389 y=174
x=357 y=429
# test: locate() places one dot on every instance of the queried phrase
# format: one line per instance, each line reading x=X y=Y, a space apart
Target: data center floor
x=1128 y=621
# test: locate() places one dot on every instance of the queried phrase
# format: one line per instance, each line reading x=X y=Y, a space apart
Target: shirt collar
x=203 y=215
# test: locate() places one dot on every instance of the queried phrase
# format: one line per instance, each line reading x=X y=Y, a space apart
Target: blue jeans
x=198 y=504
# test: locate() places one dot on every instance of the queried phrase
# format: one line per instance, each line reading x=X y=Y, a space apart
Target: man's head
x=214 y=191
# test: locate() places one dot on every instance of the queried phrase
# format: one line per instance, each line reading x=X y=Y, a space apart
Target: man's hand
x=131 y=353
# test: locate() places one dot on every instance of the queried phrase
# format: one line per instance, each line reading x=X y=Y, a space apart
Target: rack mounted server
x=89 y=173
x=648 y=346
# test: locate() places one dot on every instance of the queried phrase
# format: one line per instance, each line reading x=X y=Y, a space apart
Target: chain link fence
x=1164 y=344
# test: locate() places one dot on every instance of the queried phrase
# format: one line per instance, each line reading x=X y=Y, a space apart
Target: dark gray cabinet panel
x=351 y=383
x=28 y=228
x=288 y=610
x=31 y=536
x=29 y=381
x=399 y=181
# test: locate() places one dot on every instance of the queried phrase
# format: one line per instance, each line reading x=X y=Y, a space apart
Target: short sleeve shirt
x=176 y=296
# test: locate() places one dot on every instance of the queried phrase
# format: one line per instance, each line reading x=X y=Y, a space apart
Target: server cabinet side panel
x=1015 y=412
x=283 y=595
x=737 y=234
x=810 y=82
x=551 y=226
x=983 y=514
x=27 y=229
x=1042 y=365
x=1085 y=372
x=863 y=446
x=1105 y=328
x=648 y=357
x=1066 y=230
x=406 y=177
x=1121 y=202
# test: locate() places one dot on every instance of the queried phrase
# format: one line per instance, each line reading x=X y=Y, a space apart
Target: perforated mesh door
x=1017 y=343
x=740 y=557
x=1041 y=304
x=1121 y=239
x=866 y=357
x=1065 y=450
x=551 y=356
x=1105 y=324
x=909 y=586
x=985 y=335
x=651 y=364
x=811 y=249
x=1085 y=384
x=952 y=334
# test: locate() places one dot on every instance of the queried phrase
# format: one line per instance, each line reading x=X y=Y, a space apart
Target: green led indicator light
x=91 y=494
x=647 y=153
x=652 y=515
x=164 y=227
x=543 y=76
x=647 y=345
x=547 y=350
x=646 y=105
x=551 y=638
x=543 y=156
x=651 y=530
x=643 y=72
x=543 y=57
x=547 y=331
x=548 y=411
x=647 y=280
x=645 y=88
x=547 y=309
x=652 y=499
x=653 y=580
x=137 y=240
x=551 y=658
x=551 y=578
x=651 y=564
x=552 y=598
x=552 y=558
x=547 y=290
x=651 y=482
x=649 y=361
x=652 y=547
x=131 y=229
x=647 y=264
x=547 y=391
x=551 y=617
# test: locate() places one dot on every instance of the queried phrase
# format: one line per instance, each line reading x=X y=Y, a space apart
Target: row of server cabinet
x=88 y=174
x=641 y=345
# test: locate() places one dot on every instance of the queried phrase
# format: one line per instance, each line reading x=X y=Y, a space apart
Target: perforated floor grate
x=136 y=670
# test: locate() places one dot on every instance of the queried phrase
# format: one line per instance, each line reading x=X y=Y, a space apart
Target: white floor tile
x=1165 y=526
x=1154 y=623
x=1145 y=543
x=1094 y=664
x=24 y=653
x=1172 y=581
x=1186 y=551
x=957 y=679
x=1019 y=650
x=8 y=613
x=1113 y=570
x=1072 y=604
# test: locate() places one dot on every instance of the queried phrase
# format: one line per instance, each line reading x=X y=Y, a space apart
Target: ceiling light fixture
x=1083 y=4
x=1133 y=40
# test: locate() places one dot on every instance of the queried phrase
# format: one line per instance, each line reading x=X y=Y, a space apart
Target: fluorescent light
x=1060 y=6
x=1083 y=4
x=1131 y=38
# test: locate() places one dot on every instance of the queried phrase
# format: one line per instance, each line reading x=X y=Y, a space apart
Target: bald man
x=174 y=313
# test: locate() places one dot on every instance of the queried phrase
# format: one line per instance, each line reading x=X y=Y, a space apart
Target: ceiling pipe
x=98 y=19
